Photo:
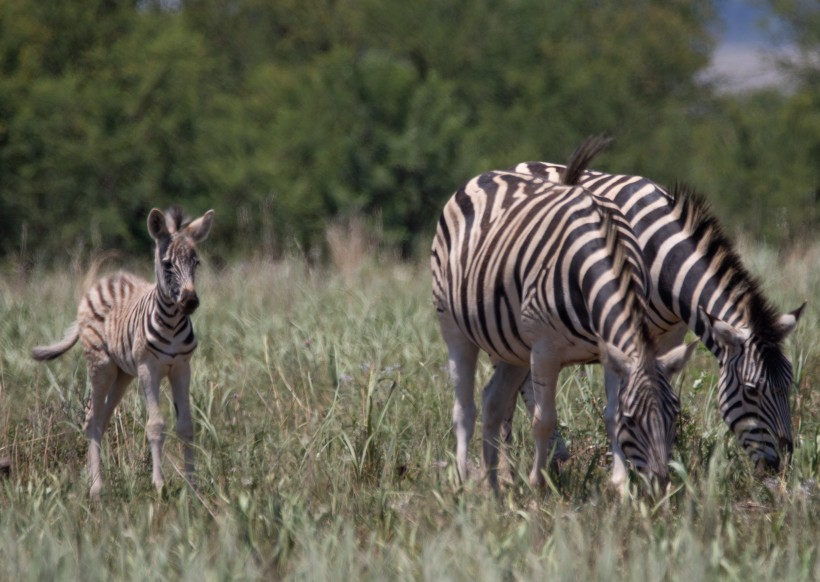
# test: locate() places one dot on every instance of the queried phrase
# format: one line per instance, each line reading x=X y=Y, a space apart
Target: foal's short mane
x=696 y=218
x=175 y=218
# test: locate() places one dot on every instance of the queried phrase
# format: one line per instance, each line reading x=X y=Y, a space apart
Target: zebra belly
x=511 y=337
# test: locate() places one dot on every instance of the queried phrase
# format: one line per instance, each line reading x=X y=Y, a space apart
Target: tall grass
x=324 y=450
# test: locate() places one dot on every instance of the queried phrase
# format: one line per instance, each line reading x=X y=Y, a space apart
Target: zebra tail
x=45 y=353
x=581 y=157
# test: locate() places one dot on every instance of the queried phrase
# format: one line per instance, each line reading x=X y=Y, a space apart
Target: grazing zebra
x=542 y=275
x=130 y=328
x=698 y=282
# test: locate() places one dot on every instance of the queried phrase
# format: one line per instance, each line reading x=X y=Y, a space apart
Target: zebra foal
x=130 y=328
x=542 y=276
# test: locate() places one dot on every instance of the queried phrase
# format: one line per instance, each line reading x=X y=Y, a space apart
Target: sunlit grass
x=324 y=450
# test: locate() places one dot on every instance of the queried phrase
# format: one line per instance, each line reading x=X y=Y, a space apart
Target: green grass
x=324 y=450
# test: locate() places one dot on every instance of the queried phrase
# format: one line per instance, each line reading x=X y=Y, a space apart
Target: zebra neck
x=694 y=266
x=166 y=318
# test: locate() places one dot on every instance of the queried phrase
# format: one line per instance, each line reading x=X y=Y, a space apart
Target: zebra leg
x=180 y=377
x=155 y=428
x=115 y=396
x=497 y=404
x=463 y=355
x=102 y=374
x=619 y=471
x=544 y=419
x=556 y=443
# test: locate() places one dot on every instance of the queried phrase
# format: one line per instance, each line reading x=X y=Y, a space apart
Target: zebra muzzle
x=188 y=301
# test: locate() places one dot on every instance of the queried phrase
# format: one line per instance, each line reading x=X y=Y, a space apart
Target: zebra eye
x=629 y=422
x=167 y=265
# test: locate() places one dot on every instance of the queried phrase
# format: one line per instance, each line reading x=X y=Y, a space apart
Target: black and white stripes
x=698 y=282
x=543 y=275
x=130 y=328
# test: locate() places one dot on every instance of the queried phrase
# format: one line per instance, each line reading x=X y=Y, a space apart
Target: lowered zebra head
x=176 y=258
x=648 y=407
x=755 y=383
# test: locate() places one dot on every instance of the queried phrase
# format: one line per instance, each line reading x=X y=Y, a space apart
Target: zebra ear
x=723 y=333
x=788 y=321
x=157 y=227
x=614 y=359
x=674 y=360
x=199 y=228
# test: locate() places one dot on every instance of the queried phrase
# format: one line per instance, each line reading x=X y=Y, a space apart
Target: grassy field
x=324 y=449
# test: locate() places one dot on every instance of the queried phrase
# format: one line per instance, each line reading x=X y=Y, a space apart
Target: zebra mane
x=582 y=156
x=617 y=250
x=696 y=218
x=175 y=218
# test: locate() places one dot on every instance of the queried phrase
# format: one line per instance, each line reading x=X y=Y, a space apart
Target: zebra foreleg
x=498 y=401
x=619 y=466
x=544 y=419
x=556 y=443
x=180 y=377
x=155 y=428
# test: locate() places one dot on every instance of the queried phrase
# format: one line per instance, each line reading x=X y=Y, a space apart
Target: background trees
x=284 y=115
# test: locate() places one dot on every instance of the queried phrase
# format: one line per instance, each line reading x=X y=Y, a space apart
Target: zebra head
x=754 y=386
x=648 y=408
x=176 y=258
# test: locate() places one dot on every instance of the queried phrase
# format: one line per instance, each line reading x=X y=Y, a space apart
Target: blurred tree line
x=286 y=115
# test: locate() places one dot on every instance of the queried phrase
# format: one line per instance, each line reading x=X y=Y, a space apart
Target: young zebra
x=541 y=275
x=130 y=328
x=698 y=282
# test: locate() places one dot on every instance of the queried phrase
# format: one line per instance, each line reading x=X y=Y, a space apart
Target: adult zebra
x=542 y=275
x=129 y=328
x=698 y=282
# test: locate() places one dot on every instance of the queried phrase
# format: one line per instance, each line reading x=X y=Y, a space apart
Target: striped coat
x=541 y=275
x=131 y=328
x=698 y=282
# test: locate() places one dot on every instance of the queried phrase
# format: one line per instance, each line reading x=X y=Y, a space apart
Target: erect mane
x=617 y=250
x=697 y=219
x=175 y=218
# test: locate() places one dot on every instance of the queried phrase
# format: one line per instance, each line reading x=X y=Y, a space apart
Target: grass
x=324 y=450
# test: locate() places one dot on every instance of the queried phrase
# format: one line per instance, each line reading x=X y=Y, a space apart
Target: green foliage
x=284 y=116
x=323 y=448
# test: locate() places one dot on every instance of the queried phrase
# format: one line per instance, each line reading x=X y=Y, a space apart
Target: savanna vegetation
x=324 y=449
x=327 y=135
x=283 y=116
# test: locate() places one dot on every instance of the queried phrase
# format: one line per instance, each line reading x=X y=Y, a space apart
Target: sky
x=744 y=57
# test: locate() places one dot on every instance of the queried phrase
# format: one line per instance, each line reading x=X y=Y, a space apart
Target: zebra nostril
x=188 y=301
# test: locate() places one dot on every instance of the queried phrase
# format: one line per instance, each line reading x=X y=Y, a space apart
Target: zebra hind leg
x=102 y=374
x=463 y=356
x=115 y=396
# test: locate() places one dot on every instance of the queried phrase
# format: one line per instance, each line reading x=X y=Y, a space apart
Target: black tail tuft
x=582 y=156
